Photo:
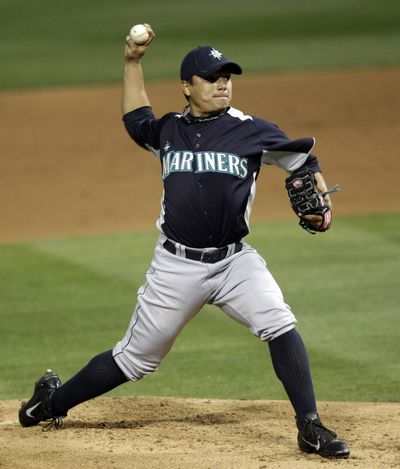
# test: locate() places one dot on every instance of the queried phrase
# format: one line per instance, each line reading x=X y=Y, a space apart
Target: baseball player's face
x=208 y=95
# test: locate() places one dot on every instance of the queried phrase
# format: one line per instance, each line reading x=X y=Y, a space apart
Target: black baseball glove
x=308 y=202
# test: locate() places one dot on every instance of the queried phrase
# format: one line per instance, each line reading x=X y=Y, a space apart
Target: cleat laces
x=327 y=434
x=56 y=423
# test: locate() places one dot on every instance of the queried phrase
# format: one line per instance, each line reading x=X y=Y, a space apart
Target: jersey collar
x=189 y=119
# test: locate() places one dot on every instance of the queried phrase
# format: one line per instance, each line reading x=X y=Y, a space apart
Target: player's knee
x=266 y=335
x=135 y=368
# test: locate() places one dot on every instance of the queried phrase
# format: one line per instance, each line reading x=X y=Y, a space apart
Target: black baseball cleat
x=38 y=408
x=313 y=437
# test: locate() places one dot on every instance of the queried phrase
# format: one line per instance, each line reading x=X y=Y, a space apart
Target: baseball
x=139 y=34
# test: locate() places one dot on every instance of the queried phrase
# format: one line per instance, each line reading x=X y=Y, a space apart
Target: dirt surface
x=68 y=168
x=151 y=433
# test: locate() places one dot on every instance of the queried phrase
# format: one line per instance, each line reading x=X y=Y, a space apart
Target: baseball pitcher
x=210 y=155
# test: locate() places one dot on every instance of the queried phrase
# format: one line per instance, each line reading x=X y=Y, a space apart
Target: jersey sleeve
x=144 y=128
x=280 y=151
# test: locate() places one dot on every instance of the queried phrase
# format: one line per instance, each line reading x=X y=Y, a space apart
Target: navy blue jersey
x=210 y=167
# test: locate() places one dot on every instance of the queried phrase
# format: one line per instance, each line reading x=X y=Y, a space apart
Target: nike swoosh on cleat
x=31 y=409
x=317 y=446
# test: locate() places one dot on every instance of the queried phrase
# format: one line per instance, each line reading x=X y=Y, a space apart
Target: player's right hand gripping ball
x=139 y=34
x=306 y=199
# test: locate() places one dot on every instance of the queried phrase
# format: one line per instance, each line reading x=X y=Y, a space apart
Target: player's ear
x=185 y=88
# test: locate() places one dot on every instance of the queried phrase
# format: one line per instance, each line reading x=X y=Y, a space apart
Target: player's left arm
x=294 y=156
x=279 y=150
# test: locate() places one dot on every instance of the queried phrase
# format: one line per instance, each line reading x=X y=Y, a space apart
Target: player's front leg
x=291 y=365
x=174 y=293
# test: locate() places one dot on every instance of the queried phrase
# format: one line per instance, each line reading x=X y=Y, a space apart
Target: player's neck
x=202 y=117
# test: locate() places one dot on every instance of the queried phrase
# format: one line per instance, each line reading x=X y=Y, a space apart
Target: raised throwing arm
x=134 y=93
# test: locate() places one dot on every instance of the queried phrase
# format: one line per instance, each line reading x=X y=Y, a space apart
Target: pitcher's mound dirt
x=153 y=432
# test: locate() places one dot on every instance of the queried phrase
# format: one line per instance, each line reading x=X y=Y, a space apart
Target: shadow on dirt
x=207 y=419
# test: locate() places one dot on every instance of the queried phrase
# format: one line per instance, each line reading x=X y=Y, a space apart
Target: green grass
x=61 y=302
x=53 y=42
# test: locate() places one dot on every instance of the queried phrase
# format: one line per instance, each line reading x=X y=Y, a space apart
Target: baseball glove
x=306 y=200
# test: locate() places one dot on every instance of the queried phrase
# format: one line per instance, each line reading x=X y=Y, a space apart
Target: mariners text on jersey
x=204 y=161
x=210 y=167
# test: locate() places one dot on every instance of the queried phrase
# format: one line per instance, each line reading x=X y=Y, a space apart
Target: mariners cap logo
x=216 y=54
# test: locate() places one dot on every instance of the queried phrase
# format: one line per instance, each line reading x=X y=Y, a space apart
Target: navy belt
x=207 y=255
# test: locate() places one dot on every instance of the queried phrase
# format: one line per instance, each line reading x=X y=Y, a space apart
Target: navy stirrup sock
x=99 y=376
x=291 y=365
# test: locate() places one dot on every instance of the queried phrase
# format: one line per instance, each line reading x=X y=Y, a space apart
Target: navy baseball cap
x=204 y=61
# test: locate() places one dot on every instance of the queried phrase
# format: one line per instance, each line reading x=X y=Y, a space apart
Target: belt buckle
x=204 y=252
x=211 y=256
